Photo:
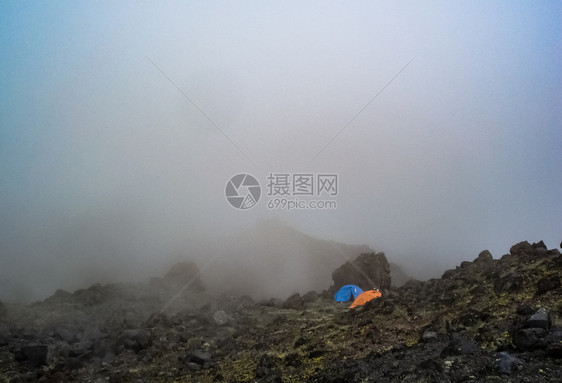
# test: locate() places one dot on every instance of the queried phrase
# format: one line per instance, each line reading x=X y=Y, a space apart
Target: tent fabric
x=344 y=294
x=365 y=297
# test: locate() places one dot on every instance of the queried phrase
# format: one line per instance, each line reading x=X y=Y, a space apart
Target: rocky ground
x=486 y=320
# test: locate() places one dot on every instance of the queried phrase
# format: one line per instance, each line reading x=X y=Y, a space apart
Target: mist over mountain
x=270 y=259
x=274 y=260
x=121 y=124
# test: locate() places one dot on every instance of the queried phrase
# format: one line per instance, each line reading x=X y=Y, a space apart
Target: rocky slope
x=486 y=320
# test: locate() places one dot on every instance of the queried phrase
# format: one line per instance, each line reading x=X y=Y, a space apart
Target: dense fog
x=121 y=124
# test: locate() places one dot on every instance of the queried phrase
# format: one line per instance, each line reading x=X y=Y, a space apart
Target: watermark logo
x=285 y=191
x=243 y=191
x=302 y=184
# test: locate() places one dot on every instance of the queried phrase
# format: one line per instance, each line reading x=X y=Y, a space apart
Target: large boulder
x=294 y=302
x=33 y=354
x=366 y=270
x=134 y=339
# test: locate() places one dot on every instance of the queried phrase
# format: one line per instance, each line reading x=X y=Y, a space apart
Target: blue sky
x=460 y=153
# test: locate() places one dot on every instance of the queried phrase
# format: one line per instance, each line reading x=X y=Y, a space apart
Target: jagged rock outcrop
x=366 y=270
x=180 y=275
x=294 y=302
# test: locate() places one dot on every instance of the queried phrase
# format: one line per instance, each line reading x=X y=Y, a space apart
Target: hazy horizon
x=108 y=171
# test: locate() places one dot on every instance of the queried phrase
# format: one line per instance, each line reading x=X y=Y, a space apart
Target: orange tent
x=365 y=297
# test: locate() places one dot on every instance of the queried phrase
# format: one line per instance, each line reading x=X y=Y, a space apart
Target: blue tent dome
x=344 y=294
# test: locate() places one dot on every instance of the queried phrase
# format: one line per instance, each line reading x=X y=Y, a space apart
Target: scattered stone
x=108 y=358
x=529 y=339
x=199 y=357
x=508 y=284
x=460 y=346
x=267 y=371
x=94 y=295
x=81 y=349
x=540 y=319
x=548 y=284
x=554 y=344
x=34 y=354
x=311 y=296
x=92 y=333
x=381 y=305
x=429 y=336
x=507 y=363
x=525 y=309
x=294 y=302
x=220 y=318
x=245 y=302
x=182 y=273
x=5 y=335
x=65 y=334
x=431 y=365
x=135 y=340
x=276 y=302
x=300 y=342
x=74 y=363
x=434 y=333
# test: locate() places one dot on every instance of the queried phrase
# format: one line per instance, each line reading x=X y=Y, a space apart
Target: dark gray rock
x=485 y=257
x=245 y=302
x=81 y=349
x=507 y=363
x=108 y=358
x=529 y=339
x=276 y=302
x=429 y=336
x=74 y=363
x=460 y=346
x=554 y=344
x=199 y=357
x=311 y=296
x=525 y=309
x=181 y=274
x=102 y=347
x=267 y=371
x=294 y=302
x=32 y=353
x=373 y=265
x=135 y=340
x=509 y=284
x=67 y=335
x=220 y=318
x=540 y=319
x=5 y=335
x=92 y=333
x=547 y=284
x=522 y=248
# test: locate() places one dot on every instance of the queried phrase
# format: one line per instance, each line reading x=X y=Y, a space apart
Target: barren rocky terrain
x=486 y=320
